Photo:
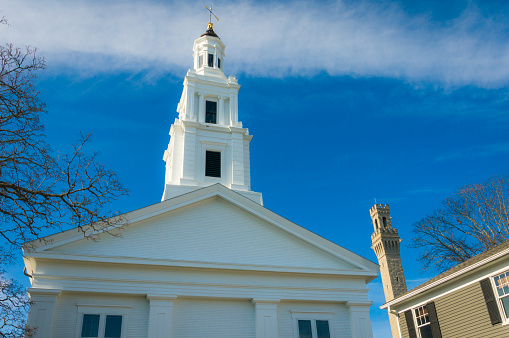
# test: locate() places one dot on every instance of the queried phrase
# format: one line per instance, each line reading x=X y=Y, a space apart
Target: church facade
x=209 y=260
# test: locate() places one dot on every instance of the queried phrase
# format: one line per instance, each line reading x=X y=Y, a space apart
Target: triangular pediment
x=217 y=229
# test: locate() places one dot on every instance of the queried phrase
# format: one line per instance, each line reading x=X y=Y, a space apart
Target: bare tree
x=40 y=189
x=473 y=220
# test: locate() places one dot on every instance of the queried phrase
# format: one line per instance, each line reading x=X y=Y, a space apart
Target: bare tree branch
x=474 y=220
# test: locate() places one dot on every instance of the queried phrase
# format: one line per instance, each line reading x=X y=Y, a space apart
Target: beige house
x=469 y=300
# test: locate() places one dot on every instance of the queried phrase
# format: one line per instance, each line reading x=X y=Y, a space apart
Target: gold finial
x=210 y=25
x=210 y=16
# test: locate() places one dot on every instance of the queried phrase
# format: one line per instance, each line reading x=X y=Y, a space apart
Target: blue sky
x=402 y=101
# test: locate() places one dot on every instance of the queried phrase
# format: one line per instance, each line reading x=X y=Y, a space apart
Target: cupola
x=209 y=53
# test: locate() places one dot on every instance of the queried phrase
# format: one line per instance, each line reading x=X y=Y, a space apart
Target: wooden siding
x=66 y=312
x=340 y=319
x=463 y=313
x=210 y=231
x=213 y=318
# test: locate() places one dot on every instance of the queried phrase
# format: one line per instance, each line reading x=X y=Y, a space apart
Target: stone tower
x=208 y=144
x=386 y=244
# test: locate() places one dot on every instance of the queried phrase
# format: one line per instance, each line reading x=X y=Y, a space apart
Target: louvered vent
x=213 y=164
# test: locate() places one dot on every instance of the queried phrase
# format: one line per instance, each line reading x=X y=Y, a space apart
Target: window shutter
x=433 y=319
x=491 y=301
x=410 y=324
x=213 y=163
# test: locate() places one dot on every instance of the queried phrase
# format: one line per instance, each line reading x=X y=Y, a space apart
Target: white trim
x=312 y=316
x=450 y=291
x=505 y=320
x=447 y=278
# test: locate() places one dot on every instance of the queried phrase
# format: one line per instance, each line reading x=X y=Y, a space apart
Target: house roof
x=456 y=271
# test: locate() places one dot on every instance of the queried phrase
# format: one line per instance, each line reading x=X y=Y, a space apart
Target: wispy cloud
x=271 y=40
x=476 y=152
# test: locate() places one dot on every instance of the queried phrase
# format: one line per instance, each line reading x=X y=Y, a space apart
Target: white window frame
x=313 y=316
x=417 y=326
x=505 y=320
x=103 y=311
x=218 y=147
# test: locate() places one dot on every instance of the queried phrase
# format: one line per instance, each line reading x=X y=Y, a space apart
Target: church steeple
x=208 y=144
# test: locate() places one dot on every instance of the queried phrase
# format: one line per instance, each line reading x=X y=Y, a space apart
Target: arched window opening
x=384 y=220
x=376 y=223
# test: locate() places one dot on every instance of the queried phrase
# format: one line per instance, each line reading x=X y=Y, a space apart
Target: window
x=211 y=112
x=502 y=288
x=496 y=295
x=422 y=322
x=213 y=163
x=211 y=60
x=312 y=324
x=218 y=63
x=101 y=321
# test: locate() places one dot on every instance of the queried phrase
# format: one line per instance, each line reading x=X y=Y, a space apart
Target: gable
x=212 y=231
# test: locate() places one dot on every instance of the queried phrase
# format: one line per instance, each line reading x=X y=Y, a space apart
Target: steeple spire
x=208 y=144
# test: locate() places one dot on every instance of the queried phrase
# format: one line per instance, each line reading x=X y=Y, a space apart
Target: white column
x=160 y=319
x=359 y=319
x=190 y=111
x=189 y=154
x=220 y=110
x=266 y=317
x=40 y=315
x=234 y=109
x=201 y=108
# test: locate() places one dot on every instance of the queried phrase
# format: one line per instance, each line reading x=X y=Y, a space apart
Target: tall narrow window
x=211 y=60
x=384 y=220
x=211 y=112
x=423 y=322
x=213 y=163
x=113 y=327
x=502 y=286
x=218 y=63
x=90 y=327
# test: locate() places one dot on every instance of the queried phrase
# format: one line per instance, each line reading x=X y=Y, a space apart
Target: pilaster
x=360 y=320
x=160 y=315
x=266 y=317
x=41 y=311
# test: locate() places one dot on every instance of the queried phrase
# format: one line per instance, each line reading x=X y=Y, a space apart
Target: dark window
x=211 y=60
x=322 y=329
x=113 y=327
x=305 y=329
x=211 y=112
x=90 y=327
x=213 y=163
x=384 y=220
x=218 y=63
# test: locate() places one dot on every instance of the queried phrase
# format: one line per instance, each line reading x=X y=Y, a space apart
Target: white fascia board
x=446 y=279
x=196 y=264
x=238 y=200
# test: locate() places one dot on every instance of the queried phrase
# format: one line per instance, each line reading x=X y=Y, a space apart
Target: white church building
x=209 y=260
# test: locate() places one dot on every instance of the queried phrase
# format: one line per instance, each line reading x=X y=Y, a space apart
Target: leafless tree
x=473 y=220
x=41 y=191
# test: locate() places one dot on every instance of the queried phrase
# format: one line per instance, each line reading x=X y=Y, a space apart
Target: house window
x=109 y=321
x=211 y=112
x=101 y=326
x=422 y=322
x=312 y=324
x=213 y=163
x=211 y=60
x=218 y=63
x=502 y=291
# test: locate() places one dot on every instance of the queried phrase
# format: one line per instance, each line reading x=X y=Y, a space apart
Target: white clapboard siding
x=198 y=318
x=340 y=326
x=66 y=312
x=213 y=230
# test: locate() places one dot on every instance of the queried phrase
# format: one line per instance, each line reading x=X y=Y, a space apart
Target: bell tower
x=386 y=244
x=208 y=143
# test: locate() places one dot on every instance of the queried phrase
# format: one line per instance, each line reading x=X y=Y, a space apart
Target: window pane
x=90 y=327
x=210 y=111
x=322 y=329
x=505 y=302
x=218 y=63
x=211 y=60
x=113 y=327
x=426 y=331
x=305 y=329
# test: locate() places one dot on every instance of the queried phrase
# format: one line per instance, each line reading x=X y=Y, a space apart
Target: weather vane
x=210 y=12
